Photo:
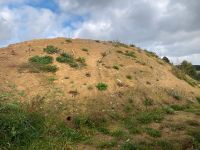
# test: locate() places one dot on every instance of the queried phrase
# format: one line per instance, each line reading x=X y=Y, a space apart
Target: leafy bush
x=43 y=60
x=102 y=86
x=152 y=132
x=50 y=49
x=18 y=128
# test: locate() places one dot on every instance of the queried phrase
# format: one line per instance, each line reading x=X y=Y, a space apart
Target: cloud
x=170 y=28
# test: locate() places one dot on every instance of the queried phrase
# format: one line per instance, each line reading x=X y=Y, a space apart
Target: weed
x=175 y=95
x=81 y=61
x=48 y=68
x=178 y=107
x=128 y=146
x=168 y=109
x=43 y=60
x=151 y=54
x=118 y=134
x=165 y=145
x=102 y=86
x=153 y=132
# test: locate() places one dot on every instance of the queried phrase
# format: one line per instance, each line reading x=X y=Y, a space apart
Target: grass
x=148 y=102
x=168 y=109
x=178 y=107
x=153 y=132
x=175 y=95
x=102 y=86
x=149 y=117
x=119 y=44
x=107 y=144
x=71 y=61
x=50 y=49
x=128 y=146
x=130 y=54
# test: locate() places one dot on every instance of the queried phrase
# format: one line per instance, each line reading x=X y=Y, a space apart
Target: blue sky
x=168 y=27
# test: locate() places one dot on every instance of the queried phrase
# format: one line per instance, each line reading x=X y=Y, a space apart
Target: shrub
x=128 y=146
x=43 y=60
x=50 y=49
x=68 y=40
x=178 y=107
x=119 y=44
x=152 y=132
x=168 y=109
x=102 y=86
x=108 y=144
x=81 y=61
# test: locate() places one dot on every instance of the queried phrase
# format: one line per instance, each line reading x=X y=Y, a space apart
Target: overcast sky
x=168 y=27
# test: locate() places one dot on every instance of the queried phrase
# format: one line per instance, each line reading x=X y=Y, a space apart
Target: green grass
x=130 y=54
x=178 y=107
x=42 y=60
x=150 y=116
x=148 y=102
x=168 y=109
x=128 y=146
x=107 y=144
x=153 y=132
x=50 y=49
x=48 y=68
x=102 y=86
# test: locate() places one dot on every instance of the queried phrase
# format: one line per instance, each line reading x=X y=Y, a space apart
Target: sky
x=168 y=27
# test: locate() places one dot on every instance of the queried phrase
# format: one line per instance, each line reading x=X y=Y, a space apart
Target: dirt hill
x=100 y=77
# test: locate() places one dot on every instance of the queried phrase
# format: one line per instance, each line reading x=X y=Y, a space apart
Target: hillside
x=132 y=98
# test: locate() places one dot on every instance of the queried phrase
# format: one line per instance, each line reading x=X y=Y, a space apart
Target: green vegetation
x=38 y=64
x=119 y=44
x=151 y=54
x=152 y=132
x=71 y=61
x=108 y=144
x=102 y=86
x=68 y=40
x=128 y=146
x=130 y=54
x=43 y=60
x=178 y=107
x=165 y=59
x=148 y=102
x=50 y=49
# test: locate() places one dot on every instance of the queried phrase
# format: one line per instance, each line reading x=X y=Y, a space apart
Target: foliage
x=43 y=60
x=128 y=146
x=166 y=59
x=50 y=49
x=102 y=86
x=116 y=67
x=152 y=132
x=130 y=54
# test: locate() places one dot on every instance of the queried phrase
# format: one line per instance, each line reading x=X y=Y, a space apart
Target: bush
x=85 y=49
x=166 y=59
x=68 y=40
x=102 y=86
x=198 y=99
x=48 y=68
x=130 y=54
x=43 y=60
x=50 y=49
x=18 y=128
x=129 y=77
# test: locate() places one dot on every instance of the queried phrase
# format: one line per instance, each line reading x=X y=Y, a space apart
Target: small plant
x=48 y=68
x=130 y=54
x=43 y=60
x=108 y=144
x=148 y=102
x=50 y=49
x=81 y=61
x=178 y=107
x=129 y=77
x=102 y=86
x=152 y=132
x=168 y=109
x=132 y=45
x=116 y=67
x=175 y=95
x=85 y=49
